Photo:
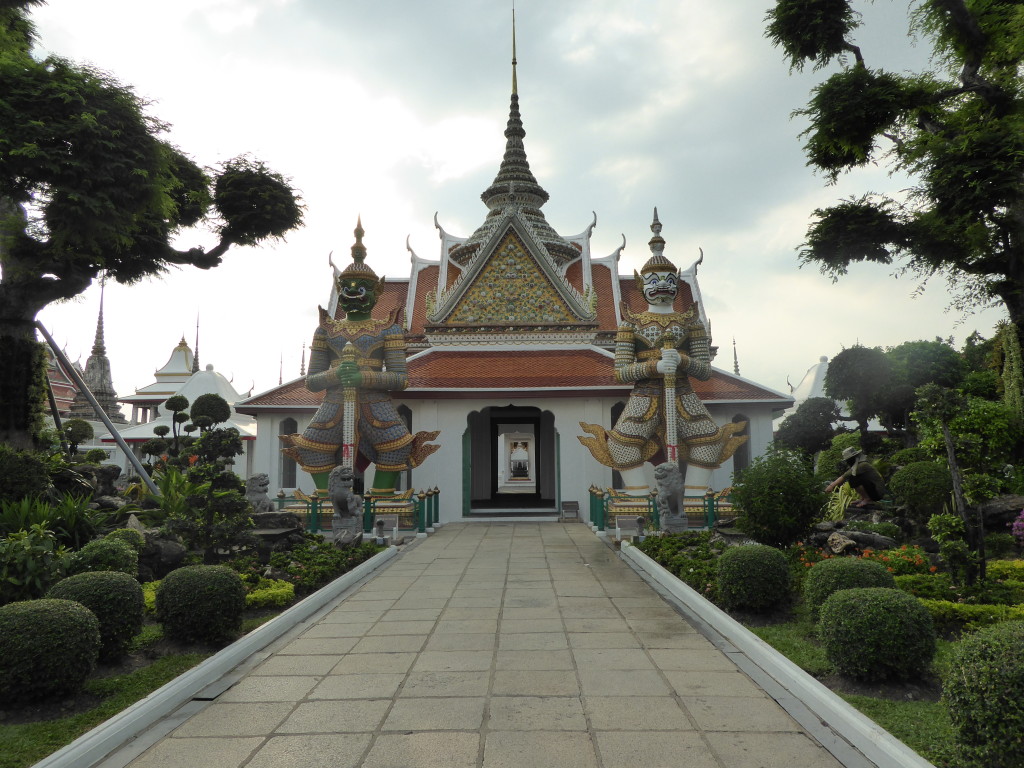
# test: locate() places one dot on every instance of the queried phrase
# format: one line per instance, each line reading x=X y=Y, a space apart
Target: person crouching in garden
x=862 y=477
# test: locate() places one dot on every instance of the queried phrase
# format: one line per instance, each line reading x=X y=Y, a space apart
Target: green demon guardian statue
x=657 y=351
x=357 y=362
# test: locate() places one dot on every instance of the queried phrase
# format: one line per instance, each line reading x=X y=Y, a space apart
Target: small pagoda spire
x=280 y=371
x=515 y=85
x=98 y=379
x=302 y=365
x=735 y=358
x=195 y=355
x=99 y=348
x=514 y=179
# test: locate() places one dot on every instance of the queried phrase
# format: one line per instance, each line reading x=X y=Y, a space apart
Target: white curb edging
x=877 y=744
x=91 y=747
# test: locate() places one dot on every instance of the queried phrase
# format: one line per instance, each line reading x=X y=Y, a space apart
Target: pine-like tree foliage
x=956 y=127
x=89 y=183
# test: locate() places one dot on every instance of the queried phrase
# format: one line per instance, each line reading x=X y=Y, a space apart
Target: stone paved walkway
x=518 y=645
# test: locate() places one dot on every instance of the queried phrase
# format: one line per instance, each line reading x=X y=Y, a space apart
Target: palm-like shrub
x=876 y=633
x=830 y=576
x=754 y=577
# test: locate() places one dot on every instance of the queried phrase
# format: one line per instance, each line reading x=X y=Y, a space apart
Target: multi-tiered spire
x=515 y=188
x=98 y=378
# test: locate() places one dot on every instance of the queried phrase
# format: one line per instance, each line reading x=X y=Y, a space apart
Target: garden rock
x=840 y=544
x=1001 y=511
x=108 y=502
x=869 y=540
x=135 y=524
x=160 y=556
x=272 y=520
x=106 y=477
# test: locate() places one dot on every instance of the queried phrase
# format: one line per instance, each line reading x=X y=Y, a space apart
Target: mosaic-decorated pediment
x=511 y=288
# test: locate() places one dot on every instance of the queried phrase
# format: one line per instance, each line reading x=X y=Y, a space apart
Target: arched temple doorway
x=509 y=459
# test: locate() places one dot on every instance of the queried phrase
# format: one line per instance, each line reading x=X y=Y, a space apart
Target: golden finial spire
x=515 y=85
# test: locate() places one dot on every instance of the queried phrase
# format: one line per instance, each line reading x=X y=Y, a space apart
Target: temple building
x=97 y=377
x=510 y=335
x=180 y=376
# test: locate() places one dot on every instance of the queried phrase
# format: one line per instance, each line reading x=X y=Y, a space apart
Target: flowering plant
x=905 y=560
x=1017 y=529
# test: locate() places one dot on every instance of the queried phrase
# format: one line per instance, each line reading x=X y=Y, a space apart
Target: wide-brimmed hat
x=851 y=453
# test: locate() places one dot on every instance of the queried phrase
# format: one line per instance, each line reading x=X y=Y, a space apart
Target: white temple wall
x=266 y=455
x=444 y=468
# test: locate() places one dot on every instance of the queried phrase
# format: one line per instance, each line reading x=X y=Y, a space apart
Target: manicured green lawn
x=922 y=725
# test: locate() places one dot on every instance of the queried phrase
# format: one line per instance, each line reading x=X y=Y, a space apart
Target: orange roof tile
x=527 y=373
x=291 y=395
x=441 y=369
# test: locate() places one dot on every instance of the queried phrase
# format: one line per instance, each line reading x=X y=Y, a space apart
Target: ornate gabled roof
x=516 y=283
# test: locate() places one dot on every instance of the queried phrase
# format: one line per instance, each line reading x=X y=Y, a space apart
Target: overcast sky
x=394 y=109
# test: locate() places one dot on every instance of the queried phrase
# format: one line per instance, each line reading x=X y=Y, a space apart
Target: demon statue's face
x=660 y=288
x=357 y=294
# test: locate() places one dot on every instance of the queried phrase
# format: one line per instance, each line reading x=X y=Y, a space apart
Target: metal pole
x=70 y=369
x=56 y=418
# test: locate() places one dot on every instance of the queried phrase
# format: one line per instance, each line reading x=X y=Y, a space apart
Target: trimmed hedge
x=876 y=633
x=753 y=577
x=270 y=593
x=953 y=617
x=105 y=555
x=837 y=573
x=201 y=602
x=983 y=688
x=1010 y=570
x=115 y=598
x=923 y=487
x=47 y=648
x=133 y=538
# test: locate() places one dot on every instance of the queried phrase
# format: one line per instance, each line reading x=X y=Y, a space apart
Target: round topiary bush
x=922 y=487
x=201 y=602
x=753 y=577
x=133 y=538
x=105 y=555
x=876 y=633
x=983 y=687
x=830 y=576
x=777 y=497
x=115 y=598
x=47 y=648
x=906 y=456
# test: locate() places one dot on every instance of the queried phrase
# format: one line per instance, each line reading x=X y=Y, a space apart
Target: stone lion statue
x=348 y=507
x=670 y=496
x=256 y=488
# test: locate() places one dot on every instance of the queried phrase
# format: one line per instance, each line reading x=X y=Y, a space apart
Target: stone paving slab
x=492 y=644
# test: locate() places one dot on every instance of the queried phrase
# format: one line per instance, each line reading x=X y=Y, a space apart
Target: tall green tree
x=957 y=128
x=88 y=184
x=860 y=376
x=811 y=426
x=914 y=364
